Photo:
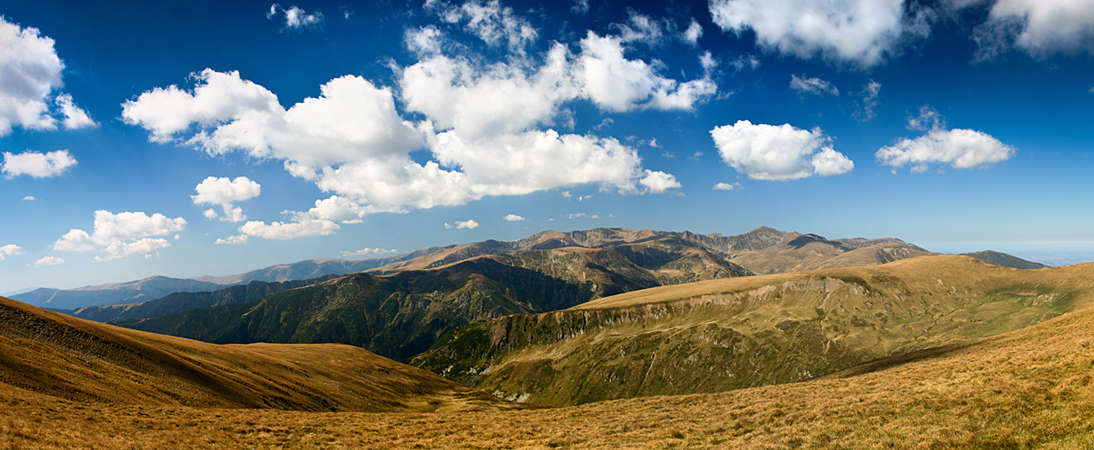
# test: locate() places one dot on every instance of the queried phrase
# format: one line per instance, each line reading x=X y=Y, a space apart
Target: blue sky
x=195 y=138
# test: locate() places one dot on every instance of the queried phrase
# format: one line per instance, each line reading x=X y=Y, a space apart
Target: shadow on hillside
x=897 y=360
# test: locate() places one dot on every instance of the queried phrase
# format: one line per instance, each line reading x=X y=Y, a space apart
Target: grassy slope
x=737 y=333
x=1024 y=389
x=45 y=355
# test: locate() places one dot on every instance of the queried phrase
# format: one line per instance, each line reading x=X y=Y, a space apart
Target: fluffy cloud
x=29 y=71
x=616 y=83
x=768 y=152
x=10 y=250
x=48 y=261
x=283 y=230
x=498 y=99
x=225 y=192
x=462 y=224
x=74 y=116
x=483 y=126
x=658 y=182
x=122 y=234
x=959 y=148
x=815 y=86
x=513 y=218
x=727 y=187
x=861 y=31
x=489 y=21
x=1038 y=27
x=295 y=17
x=37 y=165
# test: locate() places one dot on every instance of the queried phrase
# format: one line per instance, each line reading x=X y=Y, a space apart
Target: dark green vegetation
x=737 y=333
x=397 y=316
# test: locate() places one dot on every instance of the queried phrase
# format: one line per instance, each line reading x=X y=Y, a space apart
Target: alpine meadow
x=742 y=224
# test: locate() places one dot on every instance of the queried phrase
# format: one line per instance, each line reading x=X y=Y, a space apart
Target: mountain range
x=930 y=351
x=401 y=309
x=763 y=250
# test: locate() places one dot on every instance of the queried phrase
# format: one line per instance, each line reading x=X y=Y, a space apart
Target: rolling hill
x=45 y=355
x=738 y=333
x=1028 y=388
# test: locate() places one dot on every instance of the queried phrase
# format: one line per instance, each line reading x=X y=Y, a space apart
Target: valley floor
x=1026 y=389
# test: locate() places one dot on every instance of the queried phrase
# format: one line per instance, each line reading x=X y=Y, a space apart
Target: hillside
x=45 y=355
x=1023 y=389
x=396 y=316
x=738 y=333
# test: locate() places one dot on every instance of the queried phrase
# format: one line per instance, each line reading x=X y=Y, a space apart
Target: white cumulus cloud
x=74 y=116
x=616 y=83
x=485 y=126
x=30 y=71
x=783 y=152
x=727 y=187
x=513 y=218
x=1038 y=27
x=861 y=31
x=658 y=182
x=815 y=86
x=122 y=234
x=958 y=148
x=36 y=164
x=10 y=250
x=48 y=261
x=462 y=225
x=224 y=192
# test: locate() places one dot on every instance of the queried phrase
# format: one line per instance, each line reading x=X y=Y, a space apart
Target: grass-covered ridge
x=720 y=335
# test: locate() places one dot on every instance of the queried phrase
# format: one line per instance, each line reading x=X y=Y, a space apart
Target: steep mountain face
x=1005 y=260
x=182 y=301
x=107 y=294
x=396 y=316
x=736 y=333
x=45 y=356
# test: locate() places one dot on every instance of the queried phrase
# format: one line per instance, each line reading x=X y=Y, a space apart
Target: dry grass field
x=1029 y=388
x=1025 y=389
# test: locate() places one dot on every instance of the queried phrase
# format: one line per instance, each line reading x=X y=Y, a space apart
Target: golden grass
x=1026 y=389
x=78 y=360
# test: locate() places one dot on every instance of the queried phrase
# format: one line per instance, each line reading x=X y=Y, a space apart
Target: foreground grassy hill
x=1028 y=388
x=727 y=334
x=45 y=357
